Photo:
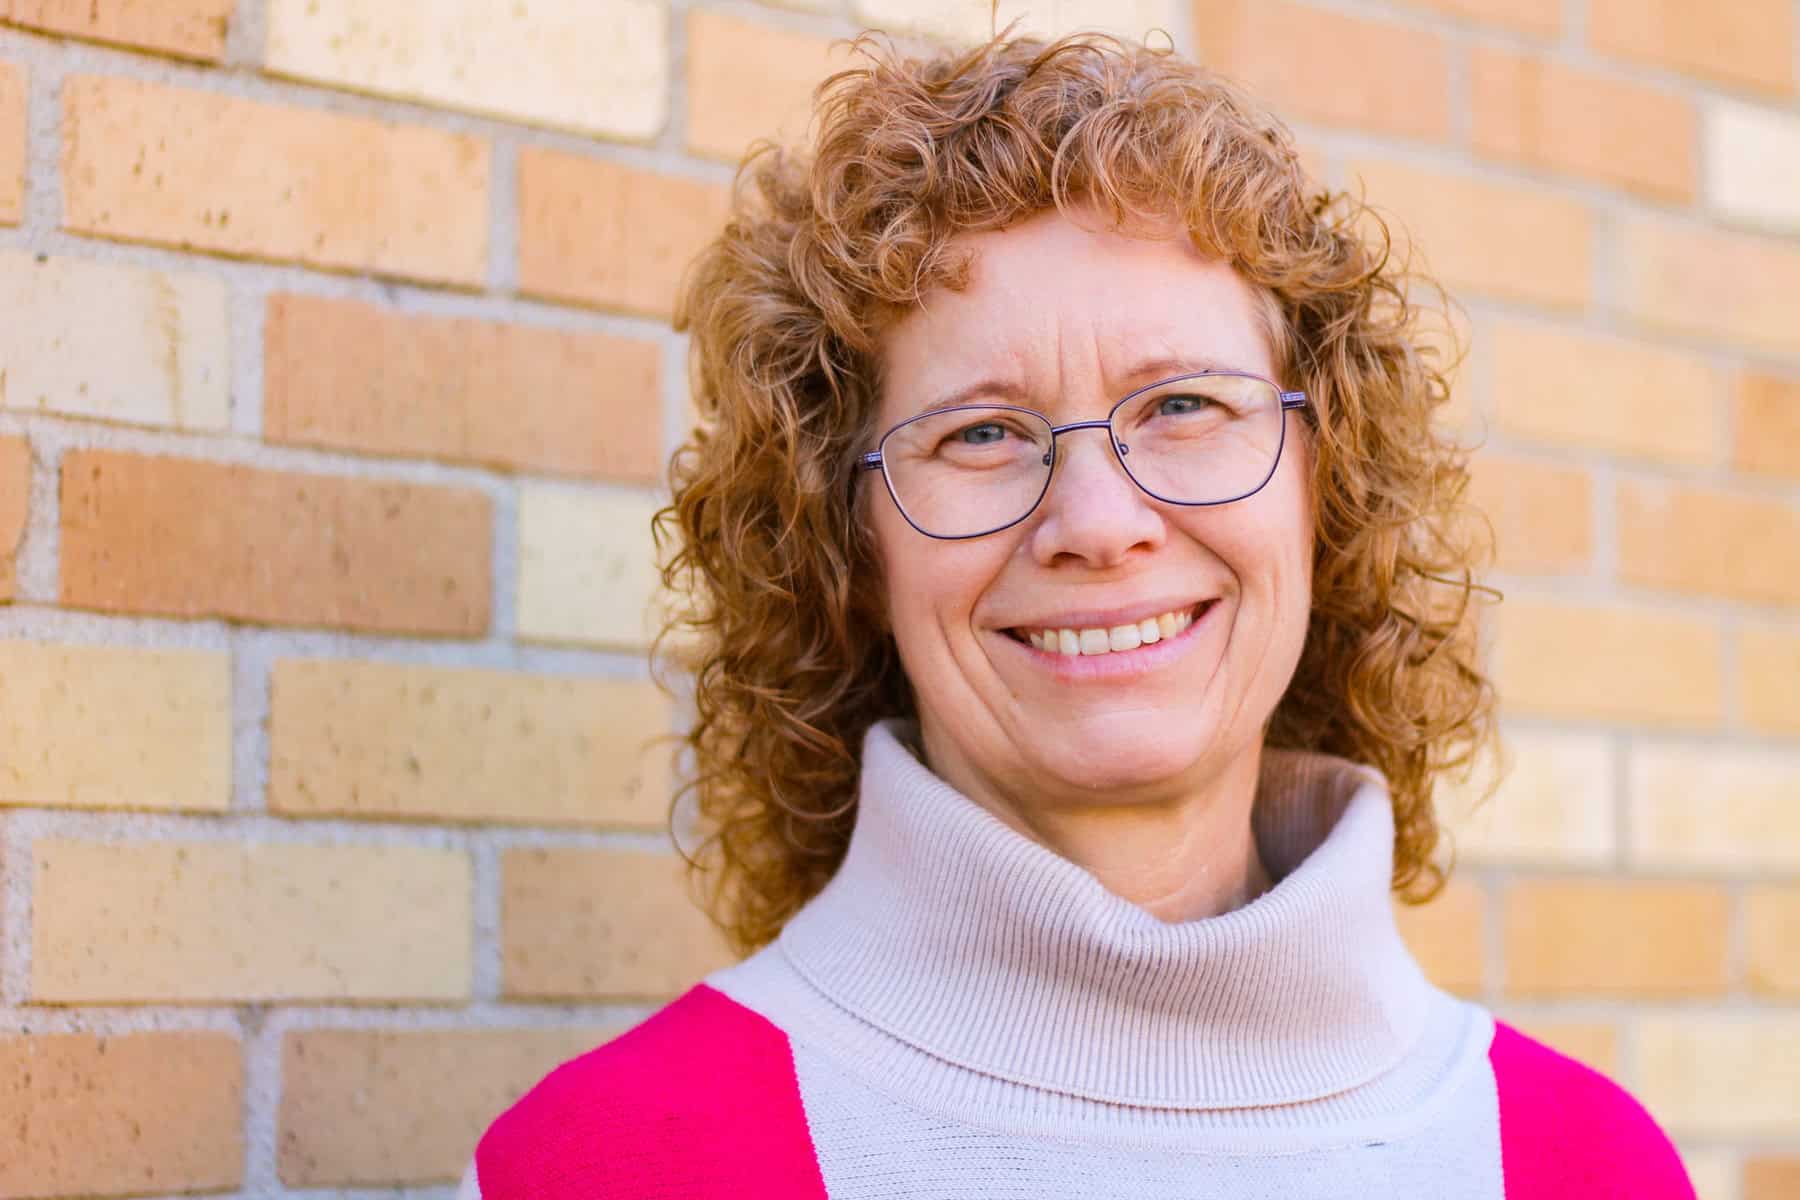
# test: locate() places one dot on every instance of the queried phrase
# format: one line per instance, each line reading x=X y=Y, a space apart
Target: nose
x=1093 y=512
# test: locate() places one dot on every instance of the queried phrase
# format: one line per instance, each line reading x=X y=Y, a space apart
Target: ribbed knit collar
x=948 y=929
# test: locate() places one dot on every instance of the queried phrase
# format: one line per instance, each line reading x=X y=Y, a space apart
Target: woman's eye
x=1176 y=406
x=984 y=434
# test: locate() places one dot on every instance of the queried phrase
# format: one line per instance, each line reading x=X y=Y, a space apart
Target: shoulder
x=1568 y=1130
x=691 y=1103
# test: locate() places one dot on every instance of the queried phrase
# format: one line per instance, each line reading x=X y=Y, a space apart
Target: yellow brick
x=185 y=28
x=1739 y=289
x=1506 y=240
x=377 y=740
x=968 y=21
x=1601 y=393
x=1554 y=803
x=12 y=144
x=1769 y=667
x=215 y=922
x=108 y=727
x=1753 y=165
x=1446 y=935
x=1593 y=1043
x=1726 y=1075
x=1585 y=937
x=1706 y=541
x=598 y=924
x=15 y=509
x=1743 y=42
x=1772 y=940
x=1705 y=806
x=587 y=566
x=1767 y=434
x=1542 y=513
x=563 y=63
x=746 y=81
x=1578 y=661
x=1770 y=1177
x=114 y=343
x=1540 y=17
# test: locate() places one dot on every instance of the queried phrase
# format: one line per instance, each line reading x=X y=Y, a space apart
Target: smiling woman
x=1079 y=617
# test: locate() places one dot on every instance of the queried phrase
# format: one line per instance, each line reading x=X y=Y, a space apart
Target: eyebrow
x=1007 y=391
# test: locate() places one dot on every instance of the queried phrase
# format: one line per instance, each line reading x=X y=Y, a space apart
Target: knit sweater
x=962 y=1012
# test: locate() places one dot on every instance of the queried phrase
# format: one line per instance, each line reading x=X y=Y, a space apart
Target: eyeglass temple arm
x=870 y=461
x=1293 y=400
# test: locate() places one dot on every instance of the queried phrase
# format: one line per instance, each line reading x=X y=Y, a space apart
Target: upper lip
x=1107 y=618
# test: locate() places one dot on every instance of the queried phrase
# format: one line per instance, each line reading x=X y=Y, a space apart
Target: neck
x=1179 y=857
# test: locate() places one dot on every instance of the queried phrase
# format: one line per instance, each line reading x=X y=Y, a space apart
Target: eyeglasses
x=1207 y=438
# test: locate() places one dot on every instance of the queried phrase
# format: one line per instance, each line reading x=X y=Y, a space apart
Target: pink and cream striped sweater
x=963 y=1013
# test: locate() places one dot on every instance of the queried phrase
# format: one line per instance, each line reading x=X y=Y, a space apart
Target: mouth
x=1112 y=639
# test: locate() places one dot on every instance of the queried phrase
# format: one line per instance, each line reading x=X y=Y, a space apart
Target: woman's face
x=1068 y=320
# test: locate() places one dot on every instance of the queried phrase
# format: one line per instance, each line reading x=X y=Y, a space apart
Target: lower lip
x=1125 y=665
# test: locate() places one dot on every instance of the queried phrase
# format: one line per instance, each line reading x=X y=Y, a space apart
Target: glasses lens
x=966 y=471
x=1205 y=439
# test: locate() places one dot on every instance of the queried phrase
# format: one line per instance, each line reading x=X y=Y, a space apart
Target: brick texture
x=1771 y=1177
x=1772 y=940
x=601 y=924
x=747 y=80
x=1504 y=240
x=163 y=716
x=1748 y=42
x=1542 y=513
x=1554 y=803
x=1671 y=537
x=1447 y=936
x=12 y=144
x=187 y=538
x=215 y=922
x=601 y=234
x=373 y=1107
x=1753 y=165
x=15 y=499
x=1578 y=661
x=1584 y=938
x=1540 y=17
x=587 y=567
x=114 y=343
x=1766 y=429
x=130 y=1114
x=145 y=162
x=1701 y=806
x=561 y=63
x=382 y=741
x=1721 y=1074
x=192 y=29
x=1739 y=289
x=961 y=21
x=1592 y=1042
x=1330 y=67
x=1768 y=665
x=354 y=376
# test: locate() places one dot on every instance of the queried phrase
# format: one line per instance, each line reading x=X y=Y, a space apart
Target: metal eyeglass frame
x=872 y=461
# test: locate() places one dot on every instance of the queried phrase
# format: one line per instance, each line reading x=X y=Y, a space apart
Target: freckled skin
x=1147 y=782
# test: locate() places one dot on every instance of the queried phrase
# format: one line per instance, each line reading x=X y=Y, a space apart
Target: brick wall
x=335 y=375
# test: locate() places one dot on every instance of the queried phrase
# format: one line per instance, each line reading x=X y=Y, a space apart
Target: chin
x=1124 y=755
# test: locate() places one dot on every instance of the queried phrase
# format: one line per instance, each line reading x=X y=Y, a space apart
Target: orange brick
x=184 y=28
x=1772 y=940
x=594 y=924
x=1540 y=17
x=1593 y=1043
x=1769 y=662
x=12 y=144
x=379 y=1107
x=746 y=80
x=128 y=1114
x=181 y=537
x=1447 y=935
x=598 y=233
x=355 y=376
x=1533 y=111
x=1772 y=1177
x=1366 y=74
x=1709 y=542
x=1577 y=661
x=1766 y=437
x=1587 y=937
x=1744 y=42
x=1542 y=513
x=1737 y=288
x=199 y=170
x=1720 y=1074
x=1506 y=240
x=15 y=492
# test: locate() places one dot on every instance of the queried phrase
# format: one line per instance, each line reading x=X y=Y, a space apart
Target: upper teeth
x=1108 y=641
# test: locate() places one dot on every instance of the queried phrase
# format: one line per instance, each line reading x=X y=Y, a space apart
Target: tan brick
x=1771 y=1177
x=1713 y=1172
x=1708 y=541
x=186 y=538
x=1507 y=240
x=1705 y=806
x=598 y=233
x=563 y=63
x=15 y=499
x=185 y=28
x=1579 y=661
x=129 y=1114
x=1603 y=393
x=747 y=80
x=1594 y=1043
x=1543 y=114
x=115 y=343
x=587 y=566
x=1585 y=937
x=1746 y=42
x=355 y=376
x=1766 y=429
x=12 y=144
x=1721 y=1074
x=1542 y=513
x=1540 y=17
x=1447 y=935
x=1753 y=165
x=1769 y=668
x=147 y=163
x=163 y=717
x=1737 y=288
x=212 y=922
x=377 y=740
x=1772 y=940
x=595 y=924
x=373 y=1107
x=1368 y=75
x=969 y=21
x=1554 y=803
